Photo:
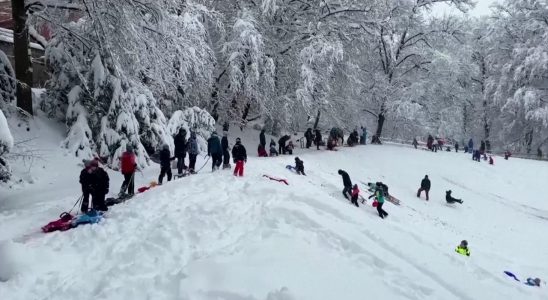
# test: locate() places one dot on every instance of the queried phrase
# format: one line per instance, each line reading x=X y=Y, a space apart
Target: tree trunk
x=380 y=124
x=317 y=119
x=528 y=141
x=244 y=115
x=21 y=51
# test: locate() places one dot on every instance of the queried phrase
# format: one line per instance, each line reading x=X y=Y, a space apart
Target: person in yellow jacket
x=463 y=248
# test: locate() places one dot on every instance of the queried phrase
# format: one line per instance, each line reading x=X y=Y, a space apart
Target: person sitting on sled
x=299 y=166
x=533 y=281
x=463 y=248
x=450 y=199
x=355 y=195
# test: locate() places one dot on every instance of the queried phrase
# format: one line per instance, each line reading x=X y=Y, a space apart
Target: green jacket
x=463 y=251
x=380 y=196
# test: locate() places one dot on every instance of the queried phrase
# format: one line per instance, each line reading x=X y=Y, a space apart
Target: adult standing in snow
x=430 y=142
x=363 y=137
x=180 y=149
x=379 y=196
x=347 y=184
x=262 y=139
x=471 y=146
x=226 y=153
x=192 y=152
x=165 y=164
x=318 y=139
x=309 y=136
x=240 y=157
x=415 y=143
x=425 y=186
x=95 y=182
x=450 y=198
x=482 y=148
x=456 y=146
x=215 y=150
x=128 y=167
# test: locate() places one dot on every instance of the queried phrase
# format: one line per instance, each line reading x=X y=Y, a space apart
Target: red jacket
x=128 y=162
x=355 y=192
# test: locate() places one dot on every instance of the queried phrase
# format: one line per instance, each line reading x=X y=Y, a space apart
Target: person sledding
x=299 y=166
x=240 y=157
x=379 y=196
x=450 y=199
x=347 y=184
x=165 y=163
x=128 y=167
x=355 y=195
x=95 y=183
x=533 y=281
x=463 y=248
x=425 y=186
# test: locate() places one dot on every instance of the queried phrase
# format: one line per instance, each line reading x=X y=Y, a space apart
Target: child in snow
x=240 y=156
x=165 y=163
x=128 y=167
x=289 y=148
x=533 y=282
x=450 y=199
x=355 y=194
x=379 y=196
x=299 y=166
x=463 y=248
x=425 y=186
x=491 y=160
x=261 y=151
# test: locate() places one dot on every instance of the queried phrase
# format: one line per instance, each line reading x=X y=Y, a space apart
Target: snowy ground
x=213 y=236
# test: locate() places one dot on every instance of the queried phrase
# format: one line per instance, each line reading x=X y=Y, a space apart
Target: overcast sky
x=482 y=8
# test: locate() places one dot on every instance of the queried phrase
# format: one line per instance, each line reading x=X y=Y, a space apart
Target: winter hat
x=448 y=192
x=464 y=243
x=129 y=148
x=297 y=159
x=214 y=133
x=426 y=176
x=355 y=186
x=340 y=172
x=238 y=140
x=165 y=146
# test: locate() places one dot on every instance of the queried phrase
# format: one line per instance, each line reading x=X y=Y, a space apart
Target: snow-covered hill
x=214 y=236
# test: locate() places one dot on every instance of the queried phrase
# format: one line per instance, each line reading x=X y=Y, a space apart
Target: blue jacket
x=193 y=145
x=214 y=145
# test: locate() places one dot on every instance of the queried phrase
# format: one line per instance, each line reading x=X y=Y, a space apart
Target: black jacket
x=262 y=138
x=165 y=158
x=96 y=182
x=346 y=179
x=283 y=139
x=214 y=145
x=308 y=134
x=299 y=165
x=425 y=184
x=180 y=144
x=224 y=144
x=318 y=137
x=449 y=198
x=238 y=152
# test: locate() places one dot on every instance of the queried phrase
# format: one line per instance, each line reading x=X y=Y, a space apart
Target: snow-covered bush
x=6 y=143
x=195 y=120
x=7 y=80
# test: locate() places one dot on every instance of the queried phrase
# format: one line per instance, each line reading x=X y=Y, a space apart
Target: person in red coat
x=262 y=151
x=355 y=194
x=128 y=170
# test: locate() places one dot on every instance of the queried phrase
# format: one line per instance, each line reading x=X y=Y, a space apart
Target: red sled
x=375 y=203
x=64 y=223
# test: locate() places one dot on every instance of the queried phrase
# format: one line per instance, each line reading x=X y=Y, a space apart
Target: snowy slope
x=213 y=236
